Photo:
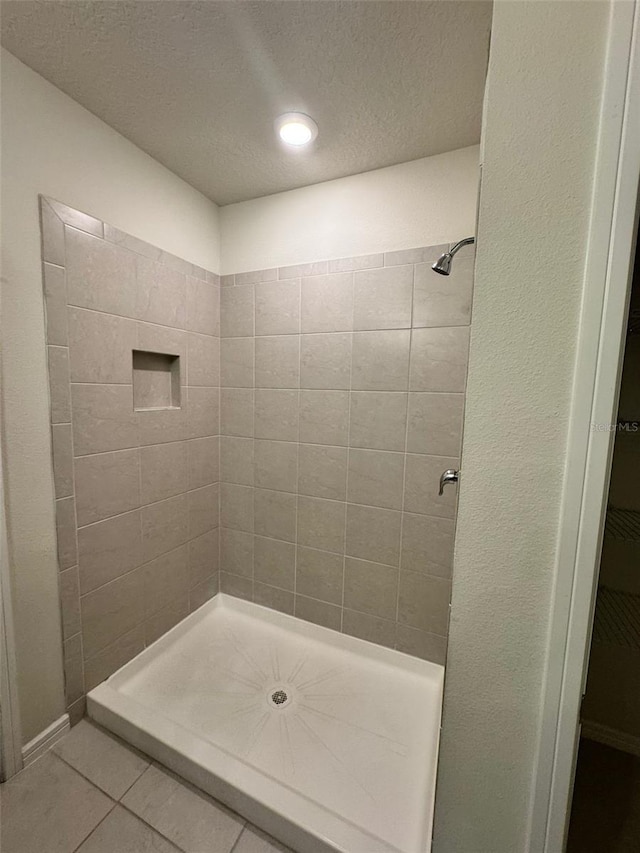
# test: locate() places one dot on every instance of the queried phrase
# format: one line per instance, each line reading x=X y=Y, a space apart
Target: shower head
x=443 y=264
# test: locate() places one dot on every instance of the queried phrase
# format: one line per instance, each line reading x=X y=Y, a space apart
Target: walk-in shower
x=443 y=264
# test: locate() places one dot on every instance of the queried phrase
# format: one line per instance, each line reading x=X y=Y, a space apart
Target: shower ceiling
x=197 y=85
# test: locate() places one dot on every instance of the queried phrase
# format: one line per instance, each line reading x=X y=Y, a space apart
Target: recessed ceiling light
x=296 y=129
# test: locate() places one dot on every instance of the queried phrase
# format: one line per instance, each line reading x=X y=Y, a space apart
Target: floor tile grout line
x=116 y=802
x=100 y=822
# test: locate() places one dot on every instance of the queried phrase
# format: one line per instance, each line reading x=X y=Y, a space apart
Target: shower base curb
x=288 y=815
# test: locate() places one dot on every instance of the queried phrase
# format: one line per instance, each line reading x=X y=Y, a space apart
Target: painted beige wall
x=422 y=203
x=539 y=150
x=51 y=145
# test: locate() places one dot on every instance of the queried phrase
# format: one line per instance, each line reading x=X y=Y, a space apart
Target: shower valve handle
x=449 y=476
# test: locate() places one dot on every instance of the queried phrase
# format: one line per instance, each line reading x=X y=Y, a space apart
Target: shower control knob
x=449 y=476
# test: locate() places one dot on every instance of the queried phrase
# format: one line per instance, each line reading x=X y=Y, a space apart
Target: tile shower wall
x=342 y=397
x=136 y=490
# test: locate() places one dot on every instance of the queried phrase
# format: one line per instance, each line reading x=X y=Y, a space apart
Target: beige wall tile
x=77 y=711
x=203 y=509
x=435 y=424
x=277 y=362
x=383 y=298
x=278 y=307
x=163 y=471
x=164 y=620
x=236 y=585
x=276 y=414
x=161 y=295
x=236 y=362
x=165 y=580
x=111 y=611
x=203 y=558
x=427 y=544
x=274 y=597
x=320 y=612
x=58 y=358
x=324 y=417
x=103 y=418
x=203 y=406
x=423 y=602
x=370 y=588
x=255 y=276
x=106 y=662
x=55 y=298
x=325 y=361
x=202 y=593
x=62 y=460
x=165 y=525
x=236 y=311
x=165 y=425
x=376 y=478
x=380 y=361
x=373 y=534
x=275 y=514
x=203 y=307
x=319 y=574
x=422 y=483
x=313 y=268
x=236 y=552
x=327 y=303
x=109 y=549
x=322 y=471
x=362 y=262
x=73 y=669
x=236 y=411
x=66 y=533
x=203 y=456
x=439 y=359
x=431 y=647
x=443 y=300
x=100 y=347
x=427 y=255
x=127 y=241
x=227 y=280
x=368 y=627
x=162 y=339
x=274 y=562
x=236 y=507
x=106 y=485
x=203 y=361
x=276 y=465
x=77 y=219
x=321 y=524
x=378 y=420
x=100 y=275
x=52 y=234
x=70 y=602
x=236 y=460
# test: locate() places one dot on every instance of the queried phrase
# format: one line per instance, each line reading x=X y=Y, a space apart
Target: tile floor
x=94 y=794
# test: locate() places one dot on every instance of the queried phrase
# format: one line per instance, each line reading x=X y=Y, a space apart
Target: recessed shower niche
x=156 y=380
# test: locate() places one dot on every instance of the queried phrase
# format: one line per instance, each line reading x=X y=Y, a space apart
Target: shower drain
x=278 y=697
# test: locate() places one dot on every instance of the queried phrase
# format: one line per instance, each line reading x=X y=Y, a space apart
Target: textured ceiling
x=197 y=85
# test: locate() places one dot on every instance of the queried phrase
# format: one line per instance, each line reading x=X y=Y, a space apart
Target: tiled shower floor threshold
x=325 y=741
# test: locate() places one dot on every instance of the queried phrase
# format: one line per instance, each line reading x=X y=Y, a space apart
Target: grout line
x=86 y=838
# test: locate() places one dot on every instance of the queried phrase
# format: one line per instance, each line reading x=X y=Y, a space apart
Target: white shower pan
x=326 y=741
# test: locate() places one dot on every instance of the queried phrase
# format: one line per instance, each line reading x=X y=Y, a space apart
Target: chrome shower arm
x=466 y=242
